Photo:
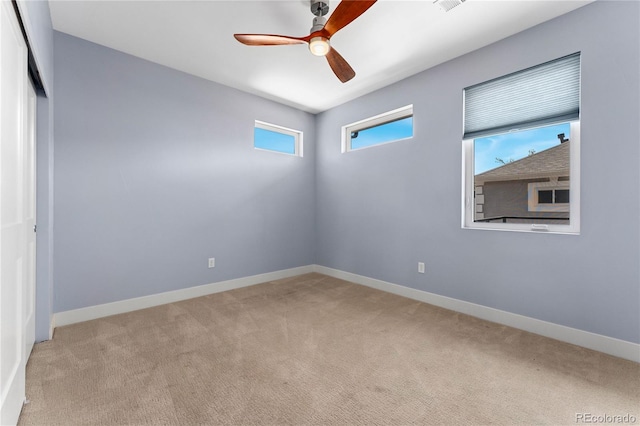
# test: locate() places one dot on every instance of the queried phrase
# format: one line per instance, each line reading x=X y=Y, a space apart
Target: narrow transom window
x=521 y=150
x=391 y=126
x=270 y=137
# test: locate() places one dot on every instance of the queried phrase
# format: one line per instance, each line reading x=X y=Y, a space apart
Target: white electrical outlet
x=212 y=262
x=421 y=267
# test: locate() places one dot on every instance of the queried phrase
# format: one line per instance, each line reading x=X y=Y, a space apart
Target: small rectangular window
x=550 y=198
x=270 y=137
x=391 y=126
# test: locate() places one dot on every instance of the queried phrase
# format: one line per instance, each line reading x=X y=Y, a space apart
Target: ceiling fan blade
x=345 y=13
x=267 y=39
x=340 y=67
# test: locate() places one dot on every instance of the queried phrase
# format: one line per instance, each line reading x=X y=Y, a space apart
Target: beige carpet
x=316 y=350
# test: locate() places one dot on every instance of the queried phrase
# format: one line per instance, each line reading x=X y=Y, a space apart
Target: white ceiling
x=391 y=41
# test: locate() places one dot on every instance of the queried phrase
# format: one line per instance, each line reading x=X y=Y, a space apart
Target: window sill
x=525 y=228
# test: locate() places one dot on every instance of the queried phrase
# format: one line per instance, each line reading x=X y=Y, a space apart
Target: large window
x=391 y=126
x=270 y=137
x=521 y=150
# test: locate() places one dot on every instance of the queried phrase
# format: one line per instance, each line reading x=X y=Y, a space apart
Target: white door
x=13 y=235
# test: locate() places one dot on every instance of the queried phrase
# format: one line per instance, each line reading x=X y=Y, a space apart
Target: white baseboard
x=128 y=305
x=598 y=342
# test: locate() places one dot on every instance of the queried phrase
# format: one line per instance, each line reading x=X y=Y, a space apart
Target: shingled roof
x=552 y=162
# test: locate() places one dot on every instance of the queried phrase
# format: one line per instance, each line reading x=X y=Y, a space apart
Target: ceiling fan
x=320 y=34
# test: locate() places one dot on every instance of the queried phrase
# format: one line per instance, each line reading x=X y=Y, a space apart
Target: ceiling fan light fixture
x=319 y=46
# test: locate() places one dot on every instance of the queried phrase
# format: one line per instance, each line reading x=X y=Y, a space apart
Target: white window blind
x=545 y=94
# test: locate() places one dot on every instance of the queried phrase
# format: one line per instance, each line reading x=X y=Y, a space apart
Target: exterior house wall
x=511 y=198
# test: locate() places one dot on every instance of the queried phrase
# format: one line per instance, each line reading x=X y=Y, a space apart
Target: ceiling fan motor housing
x=319 y=7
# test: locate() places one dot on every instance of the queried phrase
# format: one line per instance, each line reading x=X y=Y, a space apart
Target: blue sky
x=384 y=133
x=274 y=141
x=515 y=145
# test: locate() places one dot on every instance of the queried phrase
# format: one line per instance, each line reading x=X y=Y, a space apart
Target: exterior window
x=274 y=138
x=545 y=196
x=391 y=126
x=525 y=179
x=560 y=196
x=550 y=196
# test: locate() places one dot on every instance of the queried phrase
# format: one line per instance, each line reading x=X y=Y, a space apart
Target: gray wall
x=44 y=217
x=156 y=172
x=383 y=209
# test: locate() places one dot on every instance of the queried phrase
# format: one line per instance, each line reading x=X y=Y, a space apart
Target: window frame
x=297 y=135
x=375 y=121
x=468 y=188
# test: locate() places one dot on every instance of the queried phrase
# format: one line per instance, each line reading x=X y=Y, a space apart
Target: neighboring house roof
x=552 y=162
